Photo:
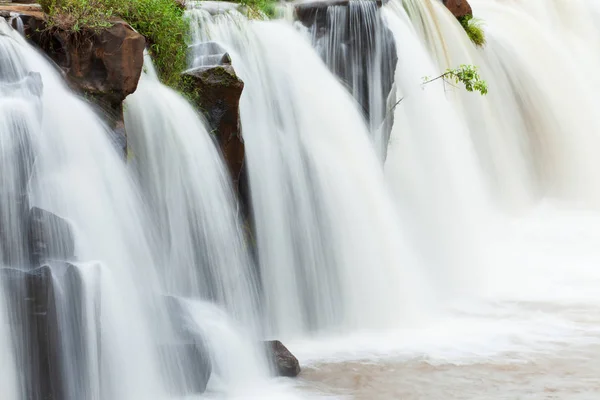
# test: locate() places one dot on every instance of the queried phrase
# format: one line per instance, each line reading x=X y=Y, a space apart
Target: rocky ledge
x=104 y=64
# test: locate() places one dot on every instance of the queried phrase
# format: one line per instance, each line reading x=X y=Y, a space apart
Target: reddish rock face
x=106 y=63
x=459 y=8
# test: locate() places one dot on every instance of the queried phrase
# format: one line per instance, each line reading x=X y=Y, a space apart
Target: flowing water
x=459 y=262
x=498 y=197
x=195 y=213
x=331 y=251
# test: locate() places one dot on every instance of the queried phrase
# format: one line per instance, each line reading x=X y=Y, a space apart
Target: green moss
x=473 y=28
x=258 y=9
x=189 y=88
x=160 y=21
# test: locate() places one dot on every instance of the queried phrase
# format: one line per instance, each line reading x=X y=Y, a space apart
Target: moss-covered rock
x=216 y=91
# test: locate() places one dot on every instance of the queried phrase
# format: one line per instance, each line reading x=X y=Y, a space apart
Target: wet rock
x=355 y=43
x=459 y=8
x=32 y=16
x=217 y=92
x=209 y=54
x=50 y=237
x=310 y=12
x=188 y=353
x=283 y=361
x=34 y=309
x=194 y=362
x=104 y=65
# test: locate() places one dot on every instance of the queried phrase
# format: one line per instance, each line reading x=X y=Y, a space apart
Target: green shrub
x=473 y=27
x=160 y=21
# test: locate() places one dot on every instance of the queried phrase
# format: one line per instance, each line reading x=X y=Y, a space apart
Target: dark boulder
x=459 y=8
x=282 y=360
x=50 y=237
x=40 y=316
x=310 y=12
x=357 y=46
x=217 y=91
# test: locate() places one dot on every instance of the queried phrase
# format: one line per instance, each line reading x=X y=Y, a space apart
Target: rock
x=26 y=19
x=357 y=46
x=16 y=166
x=459 y=8
x=34 y=306
x=209 y=54
x=188 y=353
x=104 y=65
x=50 y=237
x=218 y=92
x=283 y=361
x=310 y=11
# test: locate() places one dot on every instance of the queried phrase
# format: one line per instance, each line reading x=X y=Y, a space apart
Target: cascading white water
x=357 y=47
x=330 y=249
x=186 y=186
x=75 y=173
x=532 y=139
x=432 y=167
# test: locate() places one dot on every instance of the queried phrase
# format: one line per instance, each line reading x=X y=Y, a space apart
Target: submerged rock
x=283 y=361
x=355 y=43
x=459 y=8
x=311 y=11
x=35 y=305
x=50 y=237
x=188 y=354
x=216 y=90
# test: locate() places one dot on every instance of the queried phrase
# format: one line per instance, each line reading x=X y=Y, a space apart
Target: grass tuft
x=473 y=28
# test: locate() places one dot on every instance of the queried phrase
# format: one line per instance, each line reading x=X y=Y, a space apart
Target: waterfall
x=356 y=46
x=432 y=167
x=532 y=139
x=84 y=313
x=186 y=187
x=331 y=251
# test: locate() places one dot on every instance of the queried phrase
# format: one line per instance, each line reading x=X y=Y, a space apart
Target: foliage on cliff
x=160 y=21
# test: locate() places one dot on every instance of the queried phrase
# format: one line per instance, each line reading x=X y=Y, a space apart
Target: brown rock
x=216 y=92
x=284 y=362
x=459 y=8
x=106 y=63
